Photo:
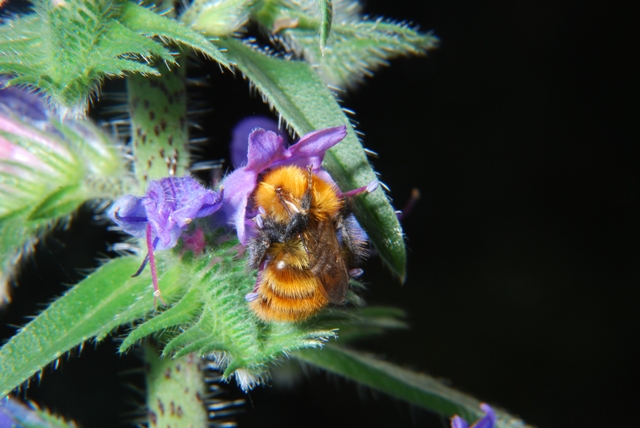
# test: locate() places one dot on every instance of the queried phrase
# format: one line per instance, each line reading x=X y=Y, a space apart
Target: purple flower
x=240 y=134
x=15 y=414
x=487 y=421
x=24 y=122
x=169 y=205
x=23 y=103
x=163 y=213
x=267 y=150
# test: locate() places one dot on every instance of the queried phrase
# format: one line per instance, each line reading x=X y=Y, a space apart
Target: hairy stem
x=175 y=391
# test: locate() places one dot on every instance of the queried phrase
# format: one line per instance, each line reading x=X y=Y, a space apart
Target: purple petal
x=159 y=202
x=169 y=205
x=129 y=213
x=15 y=414
x=194 y=201
x=458 y=422
x=240 y=137
x=238 y=187
x=489 y=420
x=265 y=148
x=22 y=102
x=310 y=150
x=316 y=143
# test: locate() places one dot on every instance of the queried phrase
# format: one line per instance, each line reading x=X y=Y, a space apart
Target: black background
x=523 y=256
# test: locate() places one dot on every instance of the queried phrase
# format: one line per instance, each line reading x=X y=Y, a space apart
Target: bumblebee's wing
x=327 y=262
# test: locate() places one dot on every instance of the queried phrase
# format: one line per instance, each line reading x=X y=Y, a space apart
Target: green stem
x=159 y=131
x=175 y=391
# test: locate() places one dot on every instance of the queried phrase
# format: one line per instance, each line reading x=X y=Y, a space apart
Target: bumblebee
x=307 y=246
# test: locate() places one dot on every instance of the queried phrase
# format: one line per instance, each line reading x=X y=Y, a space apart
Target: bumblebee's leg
x=257 y=250
x=270 y=231
x=352 y=238
x=305 y=203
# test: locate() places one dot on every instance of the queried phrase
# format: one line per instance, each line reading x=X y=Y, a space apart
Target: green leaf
x=66 y=48
x=415 y=388
x=296 y=92
x=63 y=200
x=16 y=239
x=107 y=298
x=357 y=46
x=371 y=321
x=146 y=22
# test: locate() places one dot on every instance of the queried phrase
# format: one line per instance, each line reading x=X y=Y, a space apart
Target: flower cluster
x=170 y=204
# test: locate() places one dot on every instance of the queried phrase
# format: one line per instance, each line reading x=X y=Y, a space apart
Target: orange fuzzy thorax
x=293 y=182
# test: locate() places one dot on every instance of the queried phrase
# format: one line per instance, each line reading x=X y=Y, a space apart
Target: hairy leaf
x=416 y=388
x=357 y=45
x=214 y=319
x=66 y=48
x=104 y=300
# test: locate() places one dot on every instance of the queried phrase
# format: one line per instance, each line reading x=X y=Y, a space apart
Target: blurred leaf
x=15 y=414
x=293 y=89
x=371 y=321
x=415 y=388
x=218 y=18
x=48 y=169
x=357 y=45
x=326 y=15
x=66 y=48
